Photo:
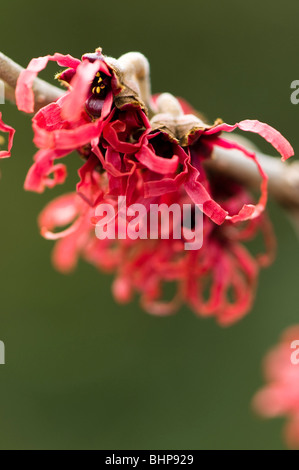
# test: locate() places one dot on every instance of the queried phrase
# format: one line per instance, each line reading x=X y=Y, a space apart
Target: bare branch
x=43 y=91
x=283 y=182
x=8 y=91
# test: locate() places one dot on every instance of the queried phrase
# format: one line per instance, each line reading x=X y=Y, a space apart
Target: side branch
x=283 y=178
x=9 y=73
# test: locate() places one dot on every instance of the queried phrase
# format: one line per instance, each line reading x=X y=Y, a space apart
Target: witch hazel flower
x=199 y=140
x=95 y=94
x=78 y=120
x=222 y=277
x=67 y=221
x=218 y=280
x=280 y=397
x=152 y=150
x=65 y=210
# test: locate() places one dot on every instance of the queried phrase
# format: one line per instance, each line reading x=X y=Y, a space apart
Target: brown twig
x=43 y=91
x=283 y=178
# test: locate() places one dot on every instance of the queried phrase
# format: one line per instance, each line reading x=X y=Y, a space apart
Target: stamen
x=99 y=84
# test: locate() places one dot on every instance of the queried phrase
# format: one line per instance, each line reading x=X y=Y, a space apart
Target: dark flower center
x=99 y=84
x=99 y=89
x=162 y=146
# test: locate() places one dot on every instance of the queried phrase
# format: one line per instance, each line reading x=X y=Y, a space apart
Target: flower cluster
x=149 y=154
x=280 y=397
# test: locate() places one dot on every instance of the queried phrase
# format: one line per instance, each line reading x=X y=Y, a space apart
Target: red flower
x=222 y=277
x=148 y=161
x=199 y=140
x=281 y=396
x=125 y=129
x=92 y=83
x=205 y=278
x=203 y=141
x=144 y=266
x=78 y=239
x=85 y=117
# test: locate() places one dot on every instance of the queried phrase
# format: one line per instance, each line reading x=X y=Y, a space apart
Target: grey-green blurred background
x=82 y=372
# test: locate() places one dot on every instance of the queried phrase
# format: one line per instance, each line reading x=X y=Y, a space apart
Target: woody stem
x=283 y=178
x=9 y=73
